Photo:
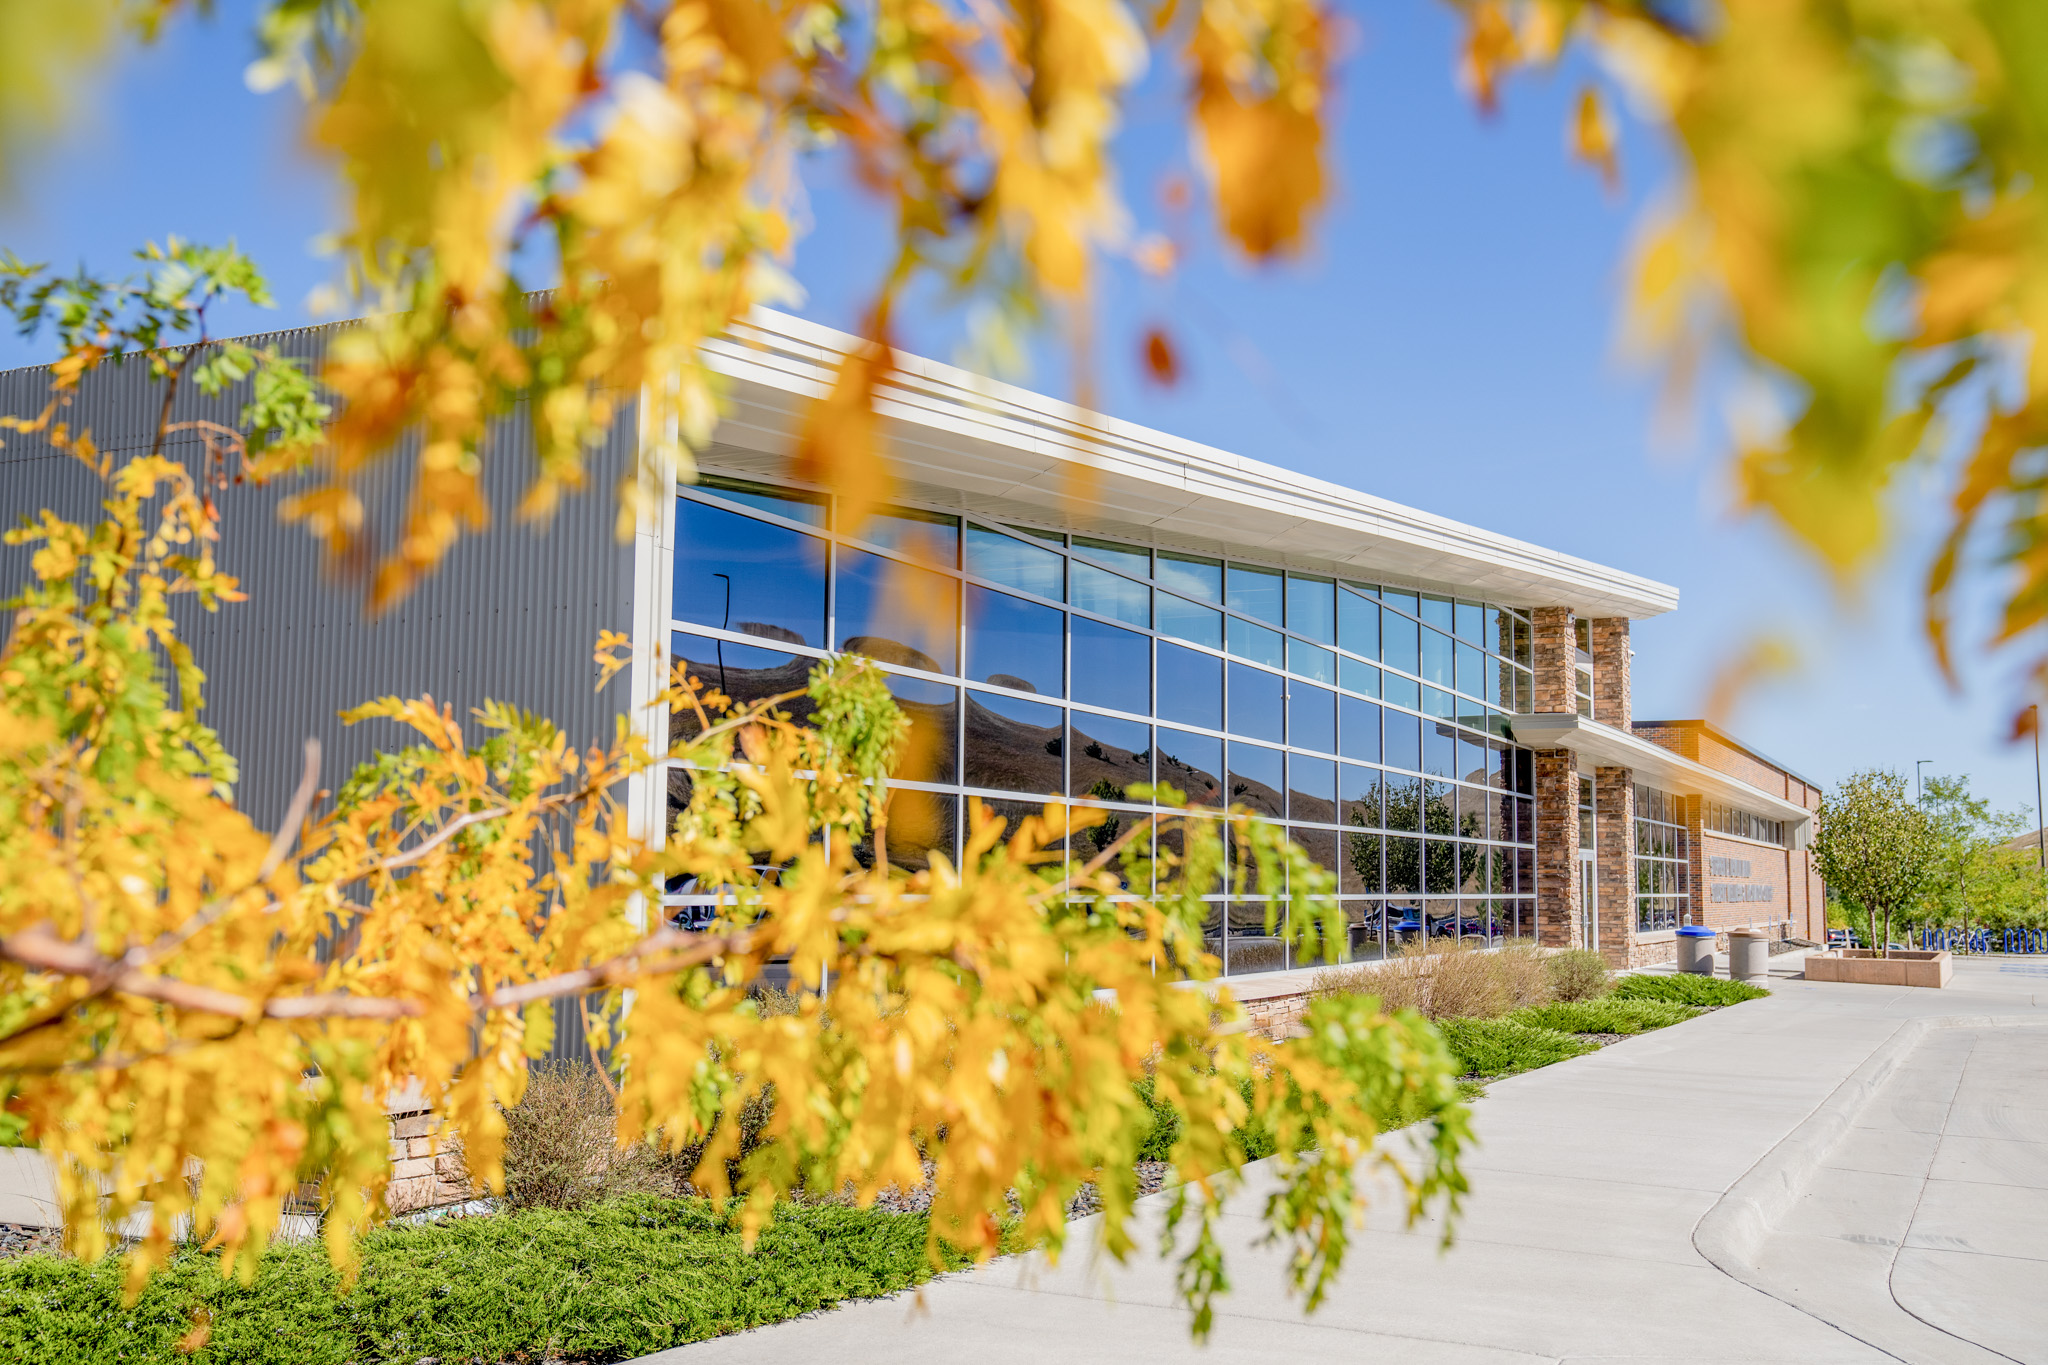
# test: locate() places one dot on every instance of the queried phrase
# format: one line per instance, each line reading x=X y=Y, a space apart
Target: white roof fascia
x=1658 y=766
x=1000 y=449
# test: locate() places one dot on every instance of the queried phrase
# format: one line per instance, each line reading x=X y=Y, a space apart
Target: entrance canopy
x=1608 y=747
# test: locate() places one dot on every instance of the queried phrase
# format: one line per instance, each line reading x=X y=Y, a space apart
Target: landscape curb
x=1733 y=1231
x=1731 y=1234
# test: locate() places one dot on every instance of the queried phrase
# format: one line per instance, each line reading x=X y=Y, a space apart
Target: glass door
x=1589 y=879
x=1589 y=904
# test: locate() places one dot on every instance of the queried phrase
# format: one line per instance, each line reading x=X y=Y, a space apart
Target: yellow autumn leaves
x=1857 y=234
x=644 y=164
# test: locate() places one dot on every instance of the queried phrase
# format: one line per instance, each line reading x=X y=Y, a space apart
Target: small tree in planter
x=1875 y=848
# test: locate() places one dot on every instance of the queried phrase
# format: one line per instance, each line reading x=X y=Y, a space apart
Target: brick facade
x=1798 y=907
x=1767 y=867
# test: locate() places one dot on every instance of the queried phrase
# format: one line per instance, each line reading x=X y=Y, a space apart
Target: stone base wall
x=1273 y=1015
x=1651 y=953
x=427 y=1169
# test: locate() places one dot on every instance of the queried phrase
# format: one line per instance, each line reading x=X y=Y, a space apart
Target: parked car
x=704 y=902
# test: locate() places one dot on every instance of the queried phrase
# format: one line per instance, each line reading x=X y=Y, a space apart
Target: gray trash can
x=1749 y=955
x=1696 y=949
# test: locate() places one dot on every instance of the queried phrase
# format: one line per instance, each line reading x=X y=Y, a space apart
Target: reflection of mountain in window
x=1014 y=745
x=741 y=672
x=1020 y=643
x=890 y=611
x=1193 y=764
x=928 y=753
x=1108 y=750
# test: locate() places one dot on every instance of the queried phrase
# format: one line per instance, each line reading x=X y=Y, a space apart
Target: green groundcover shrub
x=1686 y=989
x=1256 y=1141
x=1606 y=1014
x=1492 y=1048
x=605 y=1283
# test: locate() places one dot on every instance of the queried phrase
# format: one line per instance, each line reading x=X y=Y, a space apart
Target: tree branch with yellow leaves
x=202 y=1018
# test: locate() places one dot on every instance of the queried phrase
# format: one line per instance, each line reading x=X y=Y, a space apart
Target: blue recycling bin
x=1696 y=949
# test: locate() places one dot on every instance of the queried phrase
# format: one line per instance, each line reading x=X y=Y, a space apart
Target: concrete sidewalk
x=1591 y=1182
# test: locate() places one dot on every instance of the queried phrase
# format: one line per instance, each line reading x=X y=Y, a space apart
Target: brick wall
x=1682 y=740
x=1771 y=867
x=1800 y=898
x=1724 y=758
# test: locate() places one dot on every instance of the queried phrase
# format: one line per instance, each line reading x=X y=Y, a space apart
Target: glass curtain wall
x=1663 y=868
x=1035 y=665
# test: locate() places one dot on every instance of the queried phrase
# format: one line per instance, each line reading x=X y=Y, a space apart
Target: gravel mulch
x=1153 y=1176
x=19 y=1240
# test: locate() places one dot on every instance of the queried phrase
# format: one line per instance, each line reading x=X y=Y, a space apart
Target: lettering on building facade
x=1727 y=893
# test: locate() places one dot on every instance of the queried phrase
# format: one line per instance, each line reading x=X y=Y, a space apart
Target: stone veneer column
x=1610 y=671
x=1557 y=784
x=1555 y=650
x=1557 y=849
x=1614 y=854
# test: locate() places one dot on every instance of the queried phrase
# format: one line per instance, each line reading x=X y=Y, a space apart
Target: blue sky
x=1449 y=343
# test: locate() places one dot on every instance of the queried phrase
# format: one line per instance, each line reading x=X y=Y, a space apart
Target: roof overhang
x=1608 y=747
x=960 y=440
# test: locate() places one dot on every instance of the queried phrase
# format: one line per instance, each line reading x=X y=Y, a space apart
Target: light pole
x=1919 y=792
x=2040 y=840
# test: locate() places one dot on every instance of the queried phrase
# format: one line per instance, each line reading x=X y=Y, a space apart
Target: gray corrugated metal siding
x=511 y=615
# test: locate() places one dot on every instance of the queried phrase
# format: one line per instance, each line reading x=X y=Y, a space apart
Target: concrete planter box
x=1866 y=967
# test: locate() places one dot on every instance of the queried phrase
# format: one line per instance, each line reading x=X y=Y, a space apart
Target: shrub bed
x=1686 y=989
x=1606 y=1014
x=1492 y=1048
x=617 y=1280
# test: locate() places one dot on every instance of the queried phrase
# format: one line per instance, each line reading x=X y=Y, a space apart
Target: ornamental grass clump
x=559 y=1148
x=1448 y=981
x=1576 y=974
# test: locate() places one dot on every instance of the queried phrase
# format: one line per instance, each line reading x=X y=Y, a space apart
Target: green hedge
x=607 y=1283
x=1686 y=988
x=1606 y=1014
x=1502 y=1047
